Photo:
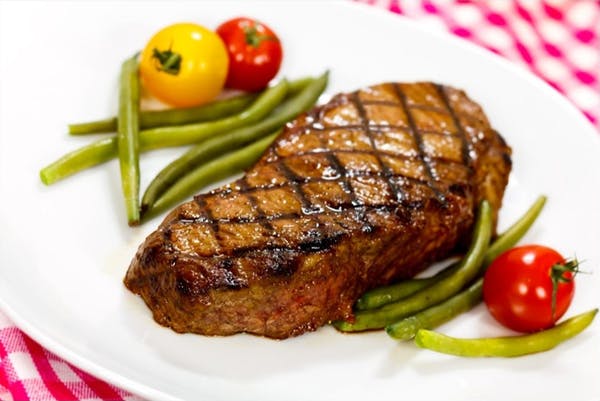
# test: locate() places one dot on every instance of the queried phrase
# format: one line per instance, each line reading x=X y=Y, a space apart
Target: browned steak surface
x=369 y=188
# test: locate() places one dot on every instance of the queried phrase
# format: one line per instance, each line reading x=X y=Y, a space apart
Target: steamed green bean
x=510 y=346
x=216 y=146
x=106 y=149
x=127 y=138
x=160 y=118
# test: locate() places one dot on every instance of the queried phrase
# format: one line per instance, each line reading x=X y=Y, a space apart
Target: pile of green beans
x=387 y=294
x=227 y=136
x=405 y=307
x=436 y=315
x=169 y=117
x=389 y=306
x=380 y=296
x=161 y=137
x=436 y=292
x=205 y=151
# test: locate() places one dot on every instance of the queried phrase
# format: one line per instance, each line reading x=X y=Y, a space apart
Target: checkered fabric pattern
x=30 y=372
x=558 y=40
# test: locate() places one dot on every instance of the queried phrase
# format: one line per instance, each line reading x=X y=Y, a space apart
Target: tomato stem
x=559 y=273
x=167 y=61
x=253 y=37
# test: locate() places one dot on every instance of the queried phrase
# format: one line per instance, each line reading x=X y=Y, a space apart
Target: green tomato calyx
x=253 y=37
x=167 y=61
x=563 y=272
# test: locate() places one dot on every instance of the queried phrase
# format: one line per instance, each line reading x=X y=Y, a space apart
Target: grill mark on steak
x=343 y=174
x=306 y=180
x=329 y=153
x=208 y=217
x=440 y=110
x=258 y=219
x=370 y=187
x=261 y=215
x=425 y=159
x=466 y=147
x=317 y=243
x=375 y=128
x=284 y=216
x=294 y=180
x=396 y=191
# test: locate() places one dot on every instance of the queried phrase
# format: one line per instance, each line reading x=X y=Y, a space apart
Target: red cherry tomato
x=528 y=288
x=255 y=53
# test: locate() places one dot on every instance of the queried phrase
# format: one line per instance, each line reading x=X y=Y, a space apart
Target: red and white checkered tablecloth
x=558 y=40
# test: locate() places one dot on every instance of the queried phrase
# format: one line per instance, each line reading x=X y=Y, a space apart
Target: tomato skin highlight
x=199 y=72
x=255 y=53
x=518 y=288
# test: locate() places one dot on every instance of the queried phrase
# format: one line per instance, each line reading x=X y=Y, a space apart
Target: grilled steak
x=368 y=188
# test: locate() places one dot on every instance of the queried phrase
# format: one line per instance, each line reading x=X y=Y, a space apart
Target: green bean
x=160 y=118
x=161 y=137
x=298 y=85
x=83 y=158
x=207 y=112
x=213 y=147
x=213 y=171
x=514 y=233
x=510 y=346
x=95 y=127
x=384 y=295
x=436 y=315
x=435 y=293
x=380 y=296
x=127 y=137
x=105 y=149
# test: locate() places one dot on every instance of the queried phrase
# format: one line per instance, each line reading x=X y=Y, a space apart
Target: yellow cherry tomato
x=184 y=65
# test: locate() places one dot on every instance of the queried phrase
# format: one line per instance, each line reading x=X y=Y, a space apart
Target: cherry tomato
x=184 y=65
x=528 y=288
x=255 y=53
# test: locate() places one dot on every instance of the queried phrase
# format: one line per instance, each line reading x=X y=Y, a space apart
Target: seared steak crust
x=368 y=188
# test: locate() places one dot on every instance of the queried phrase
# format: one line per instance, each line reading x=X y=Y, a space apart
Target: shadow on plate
x=248 y=357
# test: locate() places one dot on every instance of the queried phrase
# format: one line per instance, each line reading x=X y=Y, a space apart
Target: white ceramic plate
x=64 y=249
